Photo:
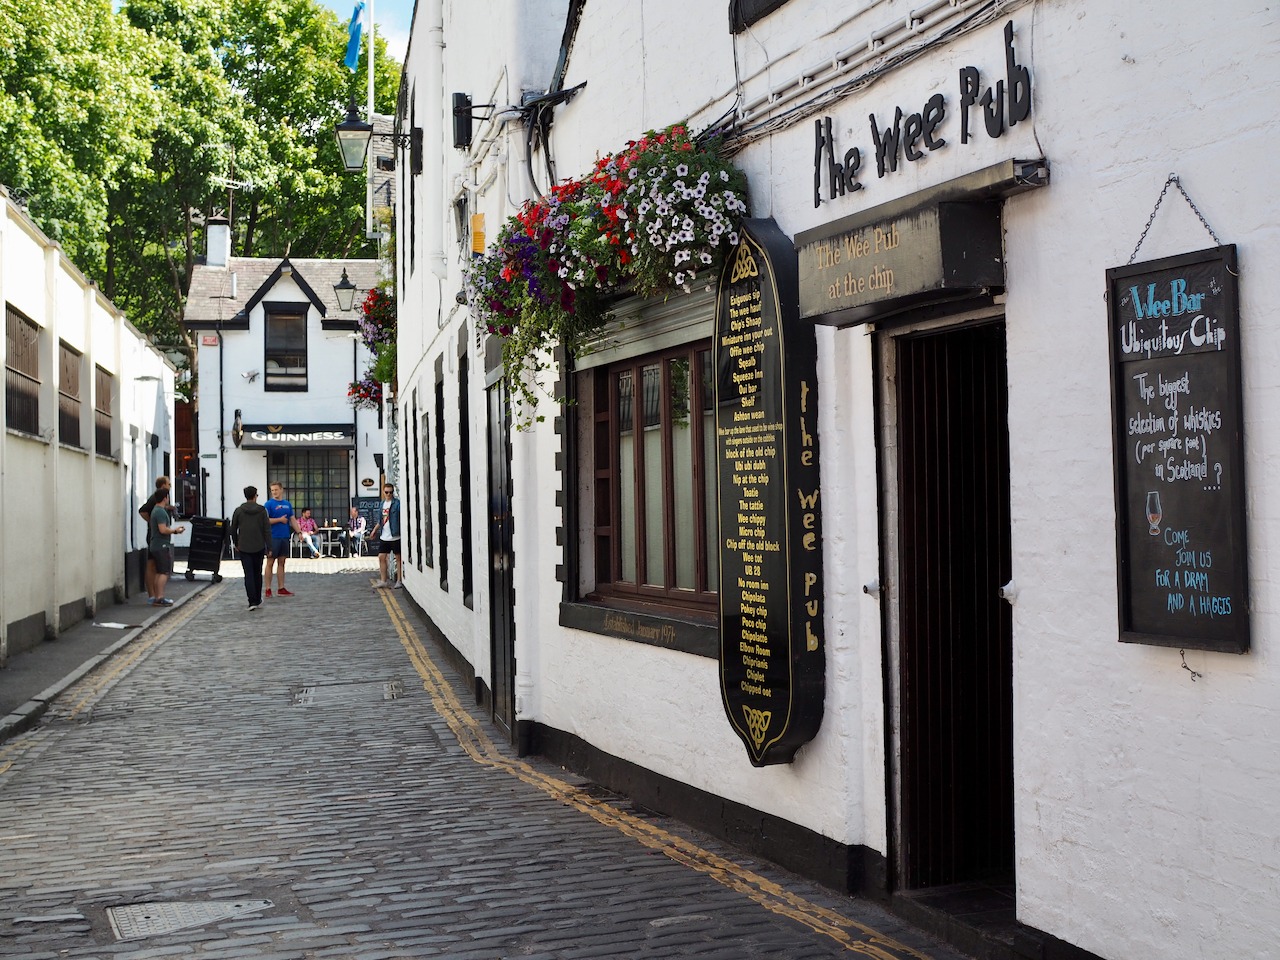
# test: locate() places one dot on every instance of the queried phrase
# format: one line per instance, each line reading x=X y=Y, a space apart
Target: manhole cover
x=140 y=920
x=347 y=693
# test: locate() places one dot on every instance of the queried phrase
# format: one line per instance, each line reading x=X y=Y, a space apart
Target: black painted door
x=955 y=722
x=502 y=626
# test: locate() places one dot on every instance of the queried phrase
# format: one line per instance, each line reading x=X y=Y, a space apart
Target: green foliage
x=75 y=108
x=377 y=330
x=658 y=216
x=122 y=132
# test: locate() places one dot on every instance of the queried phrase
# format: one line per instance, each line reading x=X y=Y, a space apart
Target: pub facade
x=921 y=548
x=276 y=355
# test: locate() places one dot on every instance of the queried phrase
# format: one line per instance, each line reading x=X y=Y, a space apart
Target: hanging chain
x=1194 y=674
x=1173 y=179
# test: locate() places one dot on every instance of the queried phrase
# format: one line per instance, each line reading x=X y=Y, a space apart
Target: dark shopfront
x=313 y=461
x=926 y=273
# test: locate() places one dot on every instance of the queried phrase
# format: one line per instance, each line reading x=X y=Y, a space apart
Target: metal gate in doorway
x=954 y=632
x=502 y=625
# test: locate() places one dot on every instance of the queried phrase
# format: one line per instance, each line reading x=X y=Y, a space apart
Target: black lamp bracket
x=399 y=140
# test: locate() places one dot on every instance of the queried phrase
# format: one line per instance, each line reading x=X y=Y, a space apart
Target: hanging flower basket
x=656 y=217
x=377 y=330
x=365 y=393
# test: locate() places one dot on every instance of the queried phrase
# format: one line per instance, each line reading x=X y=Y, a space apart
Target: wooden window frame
x=22 y=372
x=604 y=514
x=283 y=382
x=103 y=420
x=70 y=377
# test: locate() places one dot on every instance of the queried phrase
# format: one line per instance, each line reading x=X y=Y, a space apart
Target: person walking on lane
x=144 y=511
x=251 y=533
x=387 y=534
x=283 y=525
x=161 y=547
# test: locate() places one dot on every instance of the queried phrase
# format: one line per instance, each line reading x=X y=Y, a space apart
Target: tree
x=124 y=132
x=75 y=110
x=201 y=125
x=285 y=56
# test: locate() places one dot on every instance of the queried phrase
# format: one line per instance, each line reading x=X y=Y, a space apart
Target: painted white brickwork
x=1145 y=802
x=69 y=509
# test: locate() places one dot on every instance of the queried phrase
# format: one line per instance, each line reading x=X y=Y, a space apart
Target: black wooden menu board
x=1179 y=451
x=772 y=659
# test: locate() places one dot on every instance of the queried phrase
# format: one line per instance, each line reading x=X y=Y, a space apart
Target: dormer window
x=285 y=356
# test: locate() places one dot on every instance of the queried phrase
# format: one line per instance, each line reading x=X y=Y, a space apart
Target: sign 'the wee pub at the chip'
x=771 y=606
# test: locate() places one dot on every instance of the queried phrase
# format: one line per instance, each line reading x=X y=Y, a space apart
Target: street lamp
x=353 y=139
x=345 y=291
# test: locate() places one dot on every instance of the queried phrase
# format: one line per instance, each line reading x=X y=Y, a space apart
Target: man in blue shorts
x=283 y=525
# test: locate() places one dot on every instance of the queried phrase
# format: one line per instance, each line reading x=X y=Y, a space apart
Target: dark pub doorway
x=954 y=656
x=502 y=625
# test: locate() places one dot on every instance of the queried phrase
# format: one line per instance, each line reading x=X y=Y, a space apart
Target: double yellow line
x=853 y=936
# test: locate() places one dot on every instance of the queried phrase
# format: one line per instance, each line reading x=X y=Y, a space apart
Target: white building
x=961 y=189
x=88 y=413
x=276 y=357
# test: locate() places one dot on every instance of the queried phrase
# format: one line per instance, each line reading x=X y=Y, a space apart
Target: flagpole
x=369 y=158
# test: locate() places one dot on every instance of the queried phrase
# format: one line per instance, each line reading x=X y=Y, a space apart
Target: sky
x=393 y=16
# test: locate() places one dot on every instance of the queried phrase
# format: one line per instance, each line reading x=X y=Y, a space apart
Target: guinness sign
x=278 y=436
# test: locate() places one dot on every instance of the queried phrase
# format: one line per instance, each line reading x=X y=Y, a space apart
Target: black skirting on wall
x=843 y=867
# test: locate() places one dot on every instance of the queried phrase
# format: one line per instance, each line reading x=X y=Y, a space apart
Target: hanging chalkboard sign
x=771 y=603
x=1179 y=452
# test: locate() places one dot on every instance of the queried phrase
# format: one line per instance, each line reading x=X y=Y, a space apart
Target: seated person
x=354 y=533
x=310 y=533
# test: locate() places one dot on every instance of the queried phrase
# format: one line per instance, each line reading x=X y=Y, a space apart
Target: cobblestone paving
x=318 y=755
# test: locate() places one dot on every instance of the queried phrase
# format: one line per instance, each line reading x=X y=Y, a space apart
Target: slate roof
x=209 y=299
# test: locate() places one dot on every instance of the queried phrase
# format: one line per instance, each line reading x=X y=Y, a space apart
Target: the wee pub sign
x=771 y=605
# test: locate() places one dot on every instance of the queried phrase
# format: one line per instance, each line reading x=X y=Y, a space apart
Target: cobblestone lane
x=309 y=781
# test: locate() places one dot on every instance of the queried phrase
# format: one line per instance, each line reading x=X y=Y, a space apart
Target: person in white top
x=387 y=533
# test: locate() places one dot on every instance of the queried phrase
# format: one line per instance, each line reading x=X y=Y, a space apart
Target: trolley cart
x=208 y=538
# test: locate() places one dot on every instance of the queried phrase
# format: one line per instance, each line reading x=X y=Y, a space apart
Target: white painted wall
x=66 y=518
x=1145 y=802
x=334 y=359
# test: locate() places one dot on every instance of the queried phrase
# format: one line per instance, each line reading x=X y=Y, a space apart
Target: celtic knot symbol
x=757 y=723
x=744 y=265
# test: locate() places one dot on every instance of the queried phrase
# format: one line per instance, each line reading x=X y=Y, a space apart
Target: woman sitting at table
x=309 y=532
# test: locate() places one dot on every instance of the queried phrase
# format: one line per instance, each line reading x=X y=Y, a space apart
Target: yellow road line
x=853 y=936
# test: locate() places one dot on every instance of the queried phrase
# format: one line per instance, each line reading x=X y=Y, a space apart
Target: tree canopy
x=126 y=130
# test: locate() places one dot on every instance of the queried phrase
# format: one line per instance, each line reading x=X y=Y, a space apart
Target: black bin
x=208 y=538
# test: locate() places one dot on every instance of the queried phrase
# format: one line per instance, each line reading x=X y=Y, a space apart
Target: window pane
x=68 y=395
x=683 y=408
x=654 y=519
x=286 y=352
x=22 y=374
x=710 y=515
x=626 y=479
x=104 y=386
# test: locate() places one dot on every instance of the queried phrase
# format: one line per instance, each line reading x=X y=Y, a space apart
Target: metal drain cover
x=140 y=920
x=347 y=693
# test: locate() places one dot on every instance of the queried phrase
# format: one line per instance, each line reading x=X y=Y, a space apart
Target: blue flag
x=353 y=45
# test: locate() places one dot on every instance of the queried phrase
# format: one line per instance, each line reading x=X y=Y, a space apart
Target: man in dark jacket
x=251 y=532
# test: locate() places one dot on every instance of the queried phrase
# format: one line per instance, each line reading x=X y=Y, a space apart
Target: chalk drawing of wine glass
x=1153 y=511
